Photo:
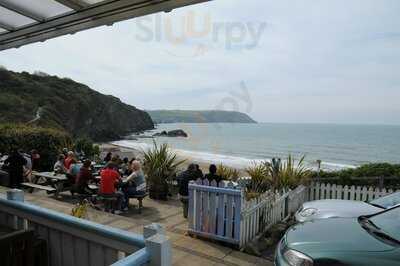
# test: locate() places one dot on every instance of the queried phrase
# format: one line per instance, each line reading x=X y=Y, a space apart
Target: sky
x=291 y=61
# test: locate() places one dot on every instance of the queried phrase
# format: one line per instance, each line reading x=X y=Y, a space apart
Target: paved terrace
x=186 y=250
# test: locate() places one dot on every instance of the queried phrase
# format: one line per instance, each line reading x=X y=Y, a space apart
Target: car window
x=389 y=222
x=388 y=201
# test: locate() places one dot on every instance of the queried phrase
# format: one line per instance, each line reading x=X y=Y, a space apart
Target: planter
x=159 y=192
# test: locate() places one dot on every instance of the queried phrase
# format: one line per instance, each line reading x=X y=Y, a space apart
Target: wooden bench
x=46 y=188
x=108 y=201
x=140 y=198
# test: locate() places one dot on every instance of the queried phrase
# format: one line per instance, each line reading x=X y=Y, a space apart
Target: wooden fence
x=332 y=191
x=214 y=212
x=259 y=214
x=222 y=213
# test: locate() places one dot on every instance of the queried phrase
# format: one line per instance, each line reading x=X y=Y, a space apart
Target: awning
x=27 y=21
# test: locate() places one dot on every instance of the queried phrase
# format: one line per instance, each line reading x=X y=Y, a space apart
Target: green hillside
x=62 y=103
x=212 y=116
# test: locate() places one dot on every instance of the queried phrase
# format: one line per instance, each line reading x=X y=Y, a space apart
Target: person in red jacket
x=68 y=161
x=108 y=182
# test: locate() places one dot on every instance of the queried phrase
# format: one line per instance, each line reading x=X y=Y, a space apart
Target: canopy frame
x=81 y=17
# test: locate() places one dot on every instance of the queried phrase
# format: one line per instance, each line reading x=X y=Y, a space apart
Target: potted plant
x=160 y=165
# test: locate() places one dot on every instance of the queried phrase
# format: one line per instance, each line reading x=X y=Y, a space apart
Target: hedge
x=390 y=173
x=48 y=142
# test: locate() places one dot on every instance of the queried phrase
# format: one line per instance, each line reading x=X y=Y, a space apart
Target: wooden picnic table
x=59 y=182
x=51 y=176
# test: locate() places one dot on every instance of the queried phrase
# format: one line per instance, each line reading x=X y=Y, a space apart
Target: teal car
x=366 y=240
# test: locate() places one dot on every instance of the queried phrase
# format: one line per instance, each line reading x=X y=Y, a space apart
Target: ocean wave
x=196 y=156
x=229 y=160
x=336 y=166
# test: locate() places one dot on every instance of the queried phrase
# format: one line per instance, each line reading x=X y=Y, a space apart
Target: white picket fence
x=222 y=213
x=259 y=214
x=332 y=191
x=214 y=212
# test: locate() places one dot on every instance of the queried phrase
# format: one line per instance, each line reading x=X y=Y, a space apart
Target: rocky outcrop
x=172 y=133
x=68 y=105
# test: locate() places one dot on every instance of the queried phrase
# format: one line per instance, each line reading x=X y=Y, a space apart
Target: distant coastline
x=199 y=116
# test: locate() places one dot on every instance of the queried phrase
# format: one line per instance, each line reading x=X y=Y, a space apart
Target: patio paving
x=186 y=250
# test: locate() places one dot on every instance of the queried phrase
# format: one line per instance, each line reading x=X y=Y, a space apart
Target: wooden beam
x=73 y=4
x=21 y=11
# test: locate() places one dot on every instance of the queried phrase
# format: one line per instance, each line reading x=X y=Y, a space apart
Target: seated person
x=108 y=182
x=116 y=160
x=59 y=167
x=69 y=159
x=125 y=166
x=108 y=157
x=73 y=171
x=83 y=178
x=135 y=183
x=130 y=165
x=212 y=175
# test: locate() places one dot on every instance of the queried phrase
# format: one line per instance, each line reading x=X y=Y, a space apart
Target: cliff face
x=66 y=104
x=186 y=116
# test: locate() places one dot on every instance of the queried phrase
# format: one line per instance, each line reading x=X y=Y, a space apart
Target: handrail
x=140 y=257
x=26 y=211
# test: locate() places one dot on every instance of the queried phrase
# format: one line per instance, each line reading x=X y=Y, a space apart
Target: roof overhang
x=23 y=22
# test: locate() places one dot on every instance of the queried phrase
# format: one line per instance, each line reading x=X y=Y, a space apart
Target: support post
x=15 y=194
x=381 y=182
x=158 y=245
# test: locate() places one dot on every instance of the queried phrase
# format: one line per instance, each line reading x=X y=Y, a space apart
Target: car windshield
x=387 y=201
x=388 y=222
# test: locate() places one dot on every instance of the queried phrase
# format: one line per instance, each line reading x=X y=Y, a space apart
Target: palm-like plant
x=160 y=165
x=260 y=180
x=292 y=174
x=276 y=174
x=227 y=173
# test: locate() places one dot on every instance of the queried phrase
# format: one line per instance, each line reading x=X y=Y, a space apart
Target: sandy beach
x=130 y=153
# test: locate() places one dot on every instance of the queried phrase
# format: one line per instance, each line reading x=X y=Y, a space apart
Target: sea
x=241 y=145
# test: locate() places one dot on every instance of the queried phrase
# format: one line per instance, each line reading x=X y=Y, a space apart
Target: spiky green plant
x=260 y=180
x=227 y=173
x=160 y=164
x=292 y=174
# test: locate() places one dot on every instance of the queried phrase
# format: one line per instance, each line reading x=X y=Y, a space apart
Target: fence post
x=15 y=194
x=286 y=212
x=381 y=182
x=158 y=245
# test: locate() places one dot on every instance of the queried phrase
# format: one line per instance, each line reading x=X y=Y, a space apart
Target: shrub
x=86 y=146
x=344 y=177
x=227 y=173
x=48 y=142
